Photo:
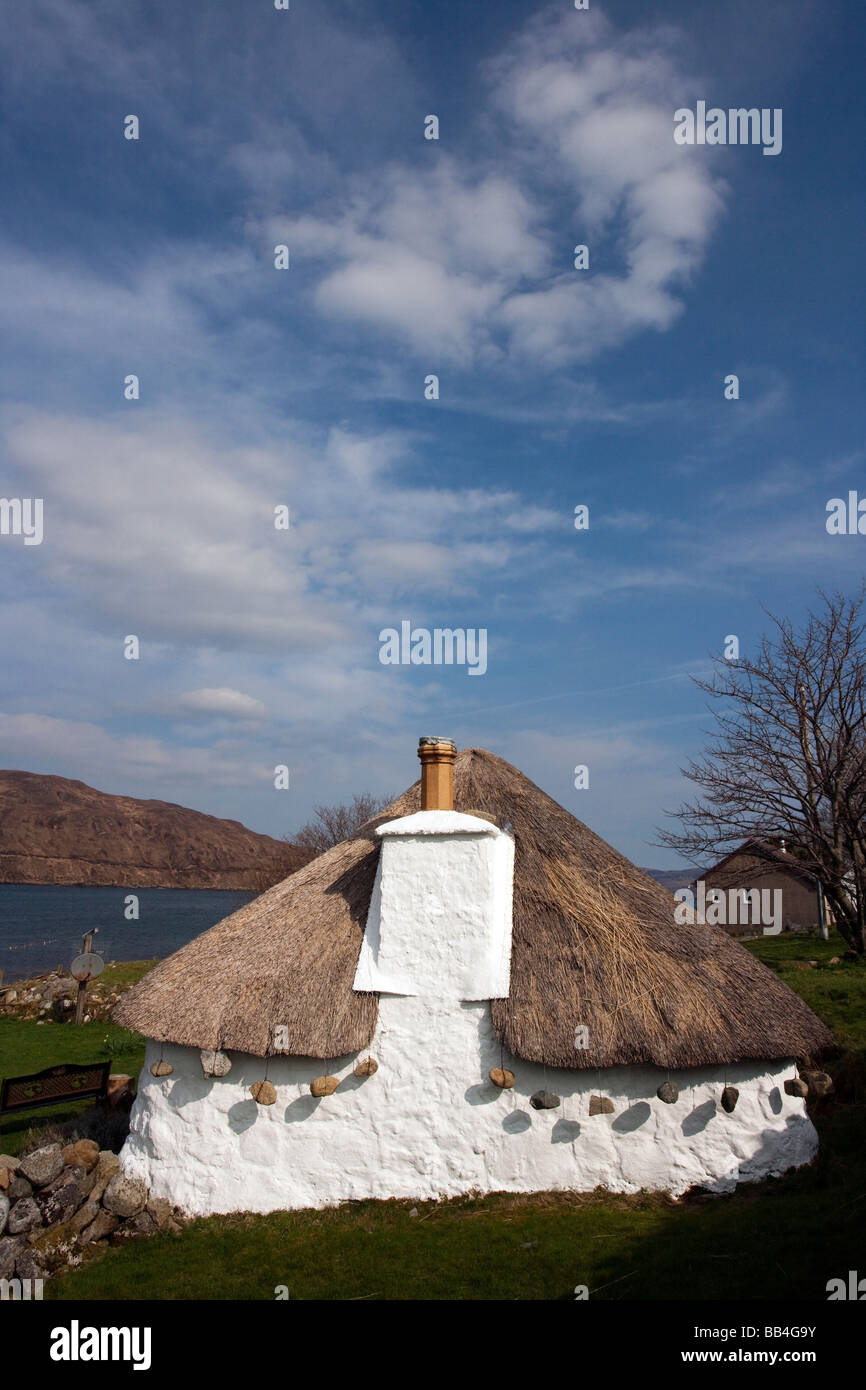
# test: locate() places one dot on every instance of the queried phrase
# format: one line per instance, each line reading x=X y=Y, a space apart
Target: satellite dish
x=86 y=966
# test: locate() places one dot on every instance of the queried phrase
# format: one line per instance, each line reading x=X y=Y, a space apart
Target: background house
x=762 y=866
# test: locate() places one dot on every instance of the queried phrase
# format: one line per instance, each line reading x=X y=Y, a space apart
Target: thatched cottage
x=476 y=993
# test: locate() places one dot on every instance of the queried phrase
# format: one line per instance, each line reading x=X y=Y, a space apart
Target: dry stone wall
x=57 y=1201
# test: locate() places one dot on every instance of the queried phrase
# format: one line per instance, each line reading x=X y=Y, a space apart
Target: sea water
x=41 y=925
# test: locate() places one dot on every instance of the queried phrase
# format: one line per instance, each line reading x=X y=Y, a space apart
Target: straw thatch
x=594 y=944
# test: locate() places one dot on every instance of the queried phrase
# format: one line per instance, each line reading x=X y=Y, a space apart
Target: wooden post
x=82 y=984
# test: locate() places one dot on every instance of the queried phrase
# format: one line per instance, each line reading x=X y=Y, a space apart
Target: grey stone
x=101 y=1226
x=40 y=1166
x=544 y=1100
x=4 y=1211
x=19 y=1187
x=24 y=1216
x=83 y=1180
x=141 y=1225
x=125 y=1195
x=160 y=1210
x=107 y=1165
x=215 y=1064
x=53 y=989
x=27 y=1266
x=84 y=1216
x=59 y=1204
x=63 y=1179
x=10 y=1249
x=144 y=1224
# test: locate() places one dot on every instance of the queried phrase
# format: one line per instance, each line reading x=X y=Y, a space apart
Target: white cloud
x=389 y=286
x=461 y=261
x=169 y=536
x=83 y=750
x=162 y=531
x=232 y=704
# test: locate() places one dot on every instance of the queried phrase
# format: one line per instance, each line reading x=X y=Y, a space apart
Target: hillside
x=673 y=878
x=55 y=830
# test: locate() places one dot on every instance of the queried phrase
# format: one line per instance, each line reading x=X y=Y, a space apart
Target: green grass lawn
x=27 y=1046
x=782 y=1239
x=837 y=993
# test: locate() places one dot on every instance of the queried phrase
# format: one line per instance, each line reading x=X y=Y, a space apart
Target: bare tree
x=285 y=860
x=333 y=824
x=789 y=757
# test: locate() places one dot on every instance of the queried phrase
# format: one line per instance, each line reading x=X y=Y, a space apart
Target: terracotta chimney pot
x=437 y=773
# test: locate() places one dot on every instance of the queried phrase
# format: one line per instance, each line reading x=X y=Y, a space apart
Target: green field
x=782 y=1239
x=27 y=1046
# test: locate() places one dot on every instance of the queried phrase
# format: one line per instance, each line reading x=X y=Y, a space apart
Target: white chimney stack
x=439 y=924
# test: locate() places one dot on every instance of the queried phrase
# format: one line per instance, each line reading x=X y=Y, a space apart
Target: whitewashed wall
x=430 y=1124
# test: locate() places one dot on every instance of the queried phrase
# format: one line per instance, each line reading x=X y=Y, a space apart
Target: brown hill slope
x=55 y=830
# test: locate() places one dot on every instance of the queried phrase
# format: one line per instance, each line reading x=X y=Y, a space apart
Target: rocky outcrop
x=50 y=998
x=55 y=830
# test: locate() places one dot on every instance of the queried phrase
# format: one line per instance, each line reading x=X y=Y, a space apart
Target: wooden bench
x=54 y=1085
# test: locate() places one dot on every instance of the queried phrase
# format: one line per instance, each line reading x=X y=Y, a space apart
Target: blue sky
x=306 y=387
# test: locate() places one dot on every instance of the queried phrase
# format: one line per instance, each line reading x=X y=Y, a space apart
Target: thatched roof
x=594 y=943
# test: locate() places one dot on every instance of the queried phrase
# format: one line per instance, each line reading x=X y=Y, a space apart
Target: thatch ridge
x=594 y=944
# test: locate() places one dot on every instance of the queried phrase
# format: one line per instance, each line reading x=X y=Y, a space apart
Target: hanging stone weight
x=161 y=1069
x=368 y=1067
x=263 y=1093
x=324 y=1086
x=544 y=1100
x=502 y=1077
x=668 y=1092
x=796 y=1087
x=730 y=1096
x=215 y=1064
x=600 y=1105
x=820 y=1083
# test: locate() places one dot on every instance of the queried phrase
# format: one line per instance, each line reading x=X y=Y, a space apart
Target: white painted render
x=439 y=923
x=429 y=1123
x=437 y=823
